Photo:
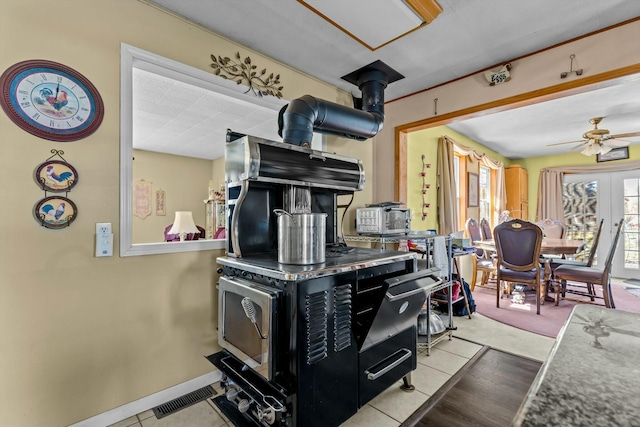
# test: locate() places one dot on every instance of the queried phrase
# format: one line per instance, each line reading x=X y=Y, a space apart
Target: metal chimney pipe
x=301 y=117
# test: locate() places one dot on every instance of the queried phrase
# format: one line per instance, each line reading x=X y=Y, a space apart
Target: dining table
x=549 y=247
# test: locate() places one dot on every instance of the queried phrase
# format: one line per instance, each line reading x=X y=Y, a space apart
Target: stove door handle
x=317 y=157
x=431 y=284
x=372 y=376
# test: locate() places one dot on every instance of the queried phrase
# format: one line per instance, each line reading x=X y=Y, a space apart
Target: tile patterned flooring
x=393 y=405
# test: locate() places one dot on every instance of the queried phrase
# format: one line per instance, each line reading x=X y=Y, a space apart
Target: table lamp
x=183 y=224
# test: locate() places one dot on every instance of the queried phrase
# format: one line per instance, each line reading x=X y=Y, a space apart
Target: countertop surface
x=336 y=261
x=592 y=375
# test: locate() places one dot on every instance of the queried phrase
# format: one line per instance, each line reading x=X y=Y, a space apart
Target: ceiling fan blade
x=567 y=142
x=582 y=144
x=615 y=142
x=625 y=135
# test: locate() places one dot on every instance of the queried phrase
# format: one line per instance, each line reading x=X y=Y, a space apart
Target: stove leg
x=406 y=383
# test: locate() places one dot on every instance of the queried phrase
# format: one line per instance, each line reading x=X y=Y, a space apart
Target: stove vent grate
x=316 y=317
x=342 y=317
x=182 y=402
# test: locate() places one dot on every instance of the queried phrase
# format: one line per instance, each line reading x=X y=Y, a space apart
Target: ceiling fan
x=599 y=141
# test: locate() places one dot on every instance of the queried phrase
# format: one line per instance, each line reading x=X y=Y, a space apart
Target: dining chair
x=482 y=261
x=518 y=245
x=592 y=253
x=557 y=262
x=589 y=275
x=485 y=227
x=552 y=228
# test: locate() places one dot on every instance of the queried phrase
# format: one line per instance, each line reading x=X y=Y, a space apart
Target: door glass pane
x=632 y=219
x=580 y=203
x=630 y=187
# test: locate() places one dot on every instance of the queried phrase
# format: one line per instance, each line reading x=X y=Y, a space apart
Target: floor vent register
x=182 y=402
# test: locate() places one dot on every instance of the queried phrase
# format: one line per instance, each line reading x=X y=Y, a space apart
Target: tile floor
x=393 y=406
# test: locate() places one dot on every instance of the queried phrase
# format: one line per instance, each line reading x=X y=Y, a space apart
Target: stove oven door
x=247 y=322
x=389 y=350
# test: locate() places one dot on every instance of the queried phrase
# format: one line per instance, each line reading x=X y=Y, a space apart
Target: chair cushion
x=558 y=262
x=578 y=273
x=485 y=263
x=512 y=275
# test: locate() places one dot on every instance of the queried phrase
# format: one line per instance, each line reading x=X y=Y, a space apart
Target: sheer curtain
x=550 y=185
x=448 y=217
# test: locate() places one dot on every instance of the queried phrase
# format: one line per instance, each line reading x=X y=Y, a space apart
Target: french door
x=589 y=197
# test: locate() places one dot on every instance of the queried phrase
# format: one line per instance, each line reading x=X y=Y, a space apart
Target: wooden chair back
x=594 y=245
x=485 y=227
x=518 y=244
x=473 y=231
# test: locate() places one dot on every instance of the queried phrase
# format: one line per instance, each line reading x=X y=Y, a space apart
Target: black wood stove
x=308 y=345
x=320 y=342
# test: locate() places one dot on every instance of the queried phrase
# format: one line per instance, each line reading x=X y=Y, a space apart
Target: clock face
x=51 y=101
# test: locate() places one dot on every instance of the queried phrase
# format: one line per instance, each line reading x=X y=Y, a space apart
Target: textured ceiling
x=467 y=37
x=179 y=118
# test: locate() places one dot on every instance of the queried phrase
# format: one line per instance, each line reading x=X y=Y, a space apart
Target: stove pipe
x=301 y=117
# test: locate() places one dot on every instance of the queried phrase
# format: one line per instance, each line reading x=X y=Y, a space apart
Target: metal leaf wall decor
x=244 y=71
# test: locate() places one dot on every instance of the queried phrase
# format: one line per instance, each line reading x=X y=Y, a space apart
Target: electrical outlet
x=104 y=239
x=103 y=228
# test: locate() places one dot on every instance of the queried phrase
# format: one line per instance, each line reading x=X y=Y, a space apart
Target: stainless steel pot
x=301 y=237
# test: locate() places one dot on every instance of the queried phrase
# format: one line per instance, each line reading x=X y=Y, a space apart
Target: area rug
x=551 y=318
x=486 y=392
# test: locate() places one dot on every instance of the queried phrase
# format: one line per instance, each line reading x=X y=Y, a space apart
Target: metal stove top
x=338 y=260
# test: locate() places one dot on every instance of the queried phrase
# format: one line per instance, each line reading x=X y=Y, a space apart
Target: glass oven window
x=238 y=329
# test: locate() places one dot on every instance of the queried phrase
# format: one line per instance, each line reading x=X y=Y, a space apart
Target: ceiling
x=467 y=37
x=184 y=119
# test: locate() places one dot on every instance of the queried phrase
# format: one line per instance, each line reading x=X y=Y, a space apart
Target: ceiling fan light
x=604 y=149
x=590 y=149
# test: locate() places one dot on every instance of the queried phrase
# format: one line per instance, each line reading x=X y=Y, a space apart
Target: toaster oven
x=383 y=220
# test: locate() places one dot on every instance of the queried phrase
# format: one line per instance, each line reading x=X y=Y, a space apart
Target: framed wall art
x=615 y=154
x=473 y=190
x=142 y=198
x=55 y=212
x=160 y=203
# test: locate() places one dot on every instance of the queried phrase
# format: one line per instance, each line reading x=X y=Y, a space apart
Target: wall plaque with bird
x=56 y=176
x=55 y=212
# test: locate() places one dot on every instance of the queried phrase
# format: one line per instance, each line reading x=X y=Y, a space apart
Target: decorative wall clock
x=51 y=100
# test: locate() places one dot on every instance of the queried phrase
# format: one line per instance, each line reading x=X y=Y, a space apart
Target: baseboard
x=148 y=402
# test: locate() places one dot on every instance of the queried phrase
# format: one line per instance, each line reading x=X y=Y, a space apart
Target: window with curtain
x=485 y=193
x=452 y=177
